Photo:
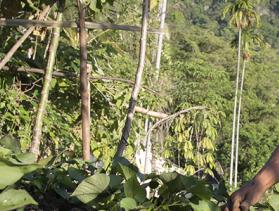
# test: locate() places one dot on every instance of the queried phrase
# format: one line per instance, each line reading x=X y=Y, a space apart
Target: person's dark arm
x=251 y=193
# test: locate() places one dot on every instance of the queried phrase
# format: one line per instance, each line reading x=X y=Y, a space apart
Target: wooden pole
x=134 y=96
x=37 y=130
x=73 y=24
x=84 y=83
x=12 y=51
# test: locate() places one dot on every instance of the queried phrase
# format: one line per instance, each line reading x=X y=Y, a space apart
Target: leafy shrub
x=128 y=189
x=13 y=166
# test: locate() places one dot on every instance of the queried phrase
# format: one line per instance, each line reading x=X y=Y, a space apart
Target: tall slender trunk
x=235 y=104
x=161 y=37
x=148 y=151
x=84 y=83
x=238 y=124
x=37 y=130
x=136 y=89
x=26 y=34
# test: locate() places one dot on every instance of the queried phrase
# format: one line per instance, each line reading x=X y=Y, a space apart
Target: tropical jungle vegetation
x=94 y=91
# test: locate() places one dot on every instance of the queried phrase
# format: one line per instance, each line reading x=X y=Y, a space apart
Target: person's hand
x=245 y=197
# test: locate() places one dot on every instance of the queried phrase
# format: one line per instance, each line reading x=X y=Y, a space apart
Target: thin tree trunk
x=162 y=15
x=148 y=151
x=161 y=37
x=84 y=84
x=238 y=124
x=235 y=105
x=12 y=51
x=37 y=130
x=136 y=89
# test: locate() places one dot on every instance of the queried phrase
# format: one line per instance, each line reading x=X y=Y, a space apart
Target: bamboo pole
x=37 y=130
x=134 y=96
x=84 y=83
x=151 y=113
x=12 y=51
x=73 y=24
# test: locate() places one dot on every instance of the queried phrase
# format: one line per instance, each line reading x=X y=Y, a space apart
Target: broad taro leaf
x=14 y=199
x=133 y=189
x=23 y=159
x=11 y=143
x=204 y=205
x=167 y=177
x=128 y=203
x=124 y=167
x=115 y=181
x=11 y=174
x=273 y=201
x=91 y=187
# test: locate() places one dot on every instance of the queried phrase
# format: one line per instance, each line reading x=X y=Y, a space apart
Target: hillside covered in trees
x=65 y=92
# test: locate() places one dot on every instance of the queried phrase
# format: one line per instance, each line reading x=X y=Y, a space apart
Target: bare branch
x=59 y=73
x=150 y=113
x=173 y=116
x=9 y=55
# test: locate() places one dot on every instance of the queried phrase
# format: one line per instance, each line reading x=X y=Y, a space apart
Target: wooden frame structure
x=74 y=24
x=86 y=25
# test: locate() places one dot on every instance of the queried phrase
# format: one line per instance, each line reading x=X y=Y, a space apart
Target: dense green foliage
x=62 y=183
x=197 y=69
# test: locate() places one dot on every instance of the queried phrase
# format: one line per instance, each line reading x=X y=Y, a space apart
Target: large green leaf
x=201 y=191
x=133 y=189
x=167 y=177
x=276 y=187
x=204 y=205
x=14 y=199
x=126 y=171
x=4 y=151
x=11 y=172
x=9 y=175
x=273 y=200
x=115 y=181
x=23 y=159
x=128 y=203
x=76 y=174
x=176 y=183
x=124 y=167
x=9 y=142
x=28 y=168
x=91 y=187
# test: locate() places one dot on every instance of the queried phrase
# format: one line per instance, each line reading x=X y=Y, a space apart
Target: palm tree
x=242 y=15
x=249 y=39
